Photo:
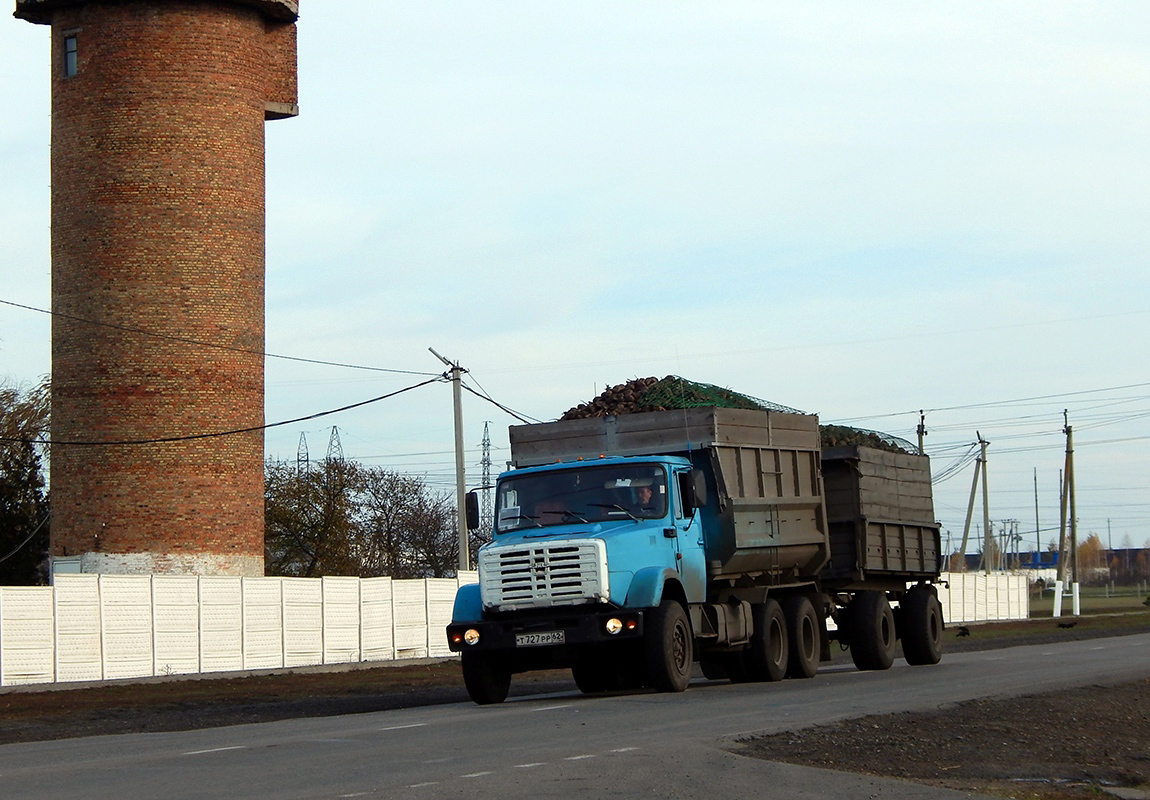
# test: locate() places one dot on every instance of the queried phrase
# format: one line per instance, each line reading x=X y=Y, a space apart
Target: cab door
x=688 y=542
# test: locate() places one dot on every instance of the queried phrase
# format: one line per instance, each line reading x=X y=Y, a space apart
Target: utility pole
x=455 y=375
x=921 y=432
x=985 y=506
x=1037 y=525
x=978 y=470
x=1070 y=517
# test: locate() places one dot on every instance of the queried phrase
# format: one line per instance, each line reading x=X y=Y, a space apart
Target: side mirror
x=693 y=490
x=471 y=509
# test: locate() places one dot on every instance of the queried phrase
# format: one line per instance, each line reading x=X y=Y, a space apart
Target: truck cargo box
x=768 y=525
x=881 y=514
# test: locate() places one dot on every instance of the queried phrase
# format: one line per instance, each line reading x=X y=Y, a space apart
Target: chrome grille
x=545 y=574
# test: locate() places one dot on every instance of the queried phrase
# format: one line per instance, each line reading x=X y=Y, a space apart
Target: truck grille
x=554 y=573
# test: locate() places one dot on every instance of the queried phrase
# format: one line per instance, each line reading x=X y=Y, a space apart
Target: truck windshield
x=589 y=494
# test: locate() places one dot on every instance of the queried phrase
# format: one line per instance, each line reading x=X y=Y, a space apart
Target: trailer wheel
x=769 y=653
x=802 y=636
x=669 y=645
x=871 y=631
x=922 y=626
x=487 y=678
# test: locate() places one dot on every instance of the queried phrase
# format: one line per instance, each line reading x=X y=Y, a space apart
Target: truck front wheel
x=871 y=632
x=922 y=625
x=486 y=677
x=669 y=644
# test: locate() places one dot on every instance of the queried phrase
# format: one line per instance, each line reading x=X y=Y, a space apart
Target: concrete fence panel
x=103 y=627
x=27 y=643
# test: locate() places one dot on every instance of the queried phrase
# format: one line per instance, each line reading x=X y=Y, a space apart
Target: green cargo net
x=674 y=392
x=666 y=394
x=843 y=436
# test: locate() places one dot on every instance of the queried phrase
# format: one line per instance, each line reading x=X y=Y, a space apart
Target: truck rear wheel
x=802 y=636
x=487 y=678
x=871 y=630
x=669 y=645
x=769 y=652
x=922 y=626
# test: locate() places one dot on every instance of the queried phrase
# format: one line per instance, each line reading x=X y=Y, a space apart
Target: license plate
x=534 y=639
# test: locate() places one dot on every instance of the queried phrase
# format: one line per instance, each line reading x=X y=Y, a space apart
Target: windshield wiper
x=567 y=514
x=616 y=507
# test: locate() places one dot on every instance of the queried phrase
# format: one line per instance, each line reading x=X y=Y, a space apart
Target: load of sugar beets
x=672 y=392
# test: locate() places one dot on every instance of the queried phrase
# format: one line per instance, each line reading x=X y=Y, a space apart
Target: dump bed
x=764 y=519
x=881 y=515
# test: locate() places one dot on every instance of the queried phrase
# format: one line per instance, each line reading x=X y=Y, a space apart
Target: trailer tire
x=804 y=642
x=769 y=653
x=670 y=647
x=871 y=631
x=922 y=626
x=487 y=677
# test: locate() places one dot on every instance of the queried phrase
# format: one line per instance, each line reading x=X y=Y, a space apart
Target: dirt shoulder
x=1053 y=746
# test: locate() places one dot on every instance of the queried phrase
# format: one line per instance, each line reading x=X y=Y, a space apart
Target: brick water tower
x=157 y=167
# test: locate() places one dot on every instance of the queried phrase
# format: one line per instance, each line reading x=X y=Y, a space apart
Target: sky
x=856 y=210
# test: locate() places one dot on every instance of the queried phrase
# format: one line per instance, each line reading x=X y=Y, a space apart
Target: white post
x=1058 y=598
x=1076 y=606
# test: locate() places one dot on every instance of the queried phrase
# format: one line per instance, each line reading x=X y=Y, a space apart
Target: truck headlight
x=471 y=636
x=614 y=625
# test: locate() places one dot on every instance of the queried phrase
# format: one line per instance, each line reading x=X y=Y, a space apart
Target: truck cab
x=581 y=552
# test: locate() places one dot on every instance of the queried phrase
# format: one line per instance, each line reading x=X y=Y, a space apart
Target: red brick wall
x=158 y=224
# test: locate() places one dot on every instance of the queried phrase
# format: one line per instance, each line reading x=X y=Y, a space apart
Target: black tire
x=803 y=638
x=612 y=669
x=769 y=653
x=922 y=626
x=487 y=678
x=737 y=668
x=669 y=647
x=871 y=632
x=592 y=677
x=714 y=668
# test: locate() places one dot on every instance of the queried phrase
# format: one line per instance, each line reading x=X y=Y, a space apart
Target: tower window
x=70 y=59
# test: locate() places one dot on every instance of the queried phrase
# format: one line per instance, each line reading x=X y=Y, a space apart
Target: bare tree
x=342 y=518
x=310 y=518
x=23 y=496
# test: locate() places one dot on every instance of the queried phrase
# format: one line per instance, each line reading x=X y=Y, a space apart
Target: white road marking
x=578 y=758
x=420 y=785
x=529 y=766
x=475 y=774
x=216 y=750
x=625 y=750
x=552 y=708
x=405 y=727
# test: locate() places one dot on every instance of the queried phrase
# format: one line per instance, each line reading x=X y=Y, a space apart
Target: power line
x=199 y=343
x=190 y=437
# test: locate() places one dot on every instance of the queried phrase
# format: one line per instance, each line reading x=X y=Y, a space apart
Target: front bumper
x=580 y=626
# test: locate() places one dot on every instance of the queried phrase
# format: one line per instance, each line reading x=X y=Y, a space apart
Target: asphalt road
x=558 y=745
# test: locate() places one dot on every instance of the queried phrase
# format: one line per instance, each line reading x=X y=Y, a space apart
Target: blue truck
x=627 y=548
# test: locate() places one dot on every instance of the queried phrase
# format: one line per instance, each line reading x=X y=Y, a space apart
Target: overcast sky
x=858 y=210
